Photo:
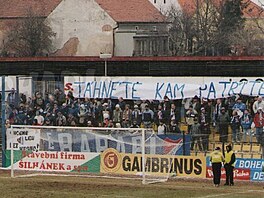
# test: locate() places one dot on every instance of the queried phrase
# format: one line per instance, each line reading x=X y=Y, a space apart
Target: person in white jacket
x=258 y=103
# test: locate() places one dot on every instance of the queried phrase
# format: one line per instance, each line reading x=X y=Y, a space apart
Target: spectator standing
x=187 y=102
x=127 y=116
x=47 y=122
x=191 y=114
x=217 y=111
x=12 y=98
x=38 y=101
x=174 y=115
x=134 y=125
x=117 y=115
x=122 y=103
x=239 y=106
x=223 y=122
x=82 y=115
x=105 y=114
x=143 y=105
x=71 y=120
x=162 y=128
x=174 y=128
x=61 y=119
x=136 y=115
x=60 y=97
x=196 y=104
x=216 y=159
x=258 y=103
x=147 y=117
x=160 y=114
x=39 y=118
x=246 y=121
x=21 y=115
x=259 y=123
x=204 y=120
x=195 y=132
x=235 y=126
x=167 y=110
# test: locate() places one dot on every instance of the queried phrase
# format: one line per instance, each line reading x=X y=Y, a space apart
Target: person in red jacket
x=259 y=123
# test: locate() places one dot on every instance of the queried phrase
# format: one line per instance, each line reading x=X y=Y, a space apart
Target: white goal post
x=128 y=152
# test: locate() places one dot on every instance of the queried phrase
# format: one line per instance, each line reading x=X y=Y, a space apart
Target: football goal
x=123 y=152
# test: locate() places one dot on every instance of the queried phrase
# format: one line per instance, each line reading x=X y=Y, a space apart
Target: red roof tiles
x=251 y=10
x=19 y=8
x=131 y=10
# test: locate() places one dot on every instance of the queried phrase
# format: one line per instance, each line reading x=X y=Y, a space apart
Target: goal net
x=123 y=152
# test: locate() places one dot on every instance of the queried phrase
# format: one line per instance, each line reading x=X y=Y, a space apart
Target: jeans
x=247 y=132
x=235 y=134
x=259 y=131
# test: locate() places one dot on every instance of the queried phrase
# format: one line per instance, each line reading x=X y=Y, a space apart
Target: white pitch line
x=117 y=196
x=232 y=193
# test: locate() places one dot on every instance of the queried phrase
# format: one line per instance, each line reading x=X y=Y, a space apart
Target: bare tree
x=181 y=32
x=194 y=33
x=29 y=36
x=215 y=29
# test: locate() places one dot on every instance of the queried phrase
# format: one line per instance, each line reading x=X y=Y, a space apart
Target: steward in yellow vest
x=230 y=159
x=217 y=158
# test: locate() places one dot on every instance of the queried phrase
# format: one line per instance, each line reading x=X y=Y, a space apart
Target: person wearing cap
x=259 y=123
x=216 y=158
x=136 y=115
x=239 y=105
x=229 y=165
x=196 y=104
x=223 y=120
x=117 y=115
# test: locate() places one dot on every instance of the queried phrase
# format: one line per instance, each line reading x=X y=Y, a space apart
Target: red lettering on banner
x=80 y=168
x=28 y=165
x=239 y=173
x=52 y=166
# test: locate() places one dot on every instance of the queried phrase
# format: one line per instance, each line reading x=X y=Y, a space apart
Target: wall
x=83 y=21
x=165 y=7
x=124 y=42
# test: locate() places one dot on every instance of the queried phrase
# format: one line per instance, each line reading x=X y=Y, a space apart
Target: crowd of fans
x=58 y=109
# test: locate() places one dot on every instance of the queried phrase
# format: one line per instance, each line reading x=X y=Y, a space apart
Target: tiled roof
x=251 y=10
x=19 y=8
x=131 y=10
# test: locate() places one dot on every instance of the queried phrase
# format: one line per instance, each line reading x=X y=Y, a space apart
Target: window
x=150 y=46
x=164 y=1
x=155 y=1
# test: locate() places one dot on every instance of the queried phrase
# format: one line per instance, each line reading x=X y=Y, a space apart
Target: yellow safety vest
x=217 y=157
x=228 y=156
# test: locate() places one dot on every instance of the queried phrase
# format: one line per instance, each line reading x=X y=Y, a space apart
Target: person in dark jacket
x=229 y=165
x=223 y=122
